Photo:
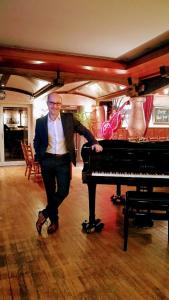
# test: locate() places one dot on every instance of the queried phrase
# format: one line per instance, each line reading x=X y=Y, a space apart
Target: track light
x=2 y=95
x=164 y=72
x=58 y=82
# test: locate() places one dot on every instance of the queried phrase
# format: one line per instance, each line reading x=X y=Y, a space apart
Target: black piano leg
x=93 y=224
x=92 y=200
x=117 y=198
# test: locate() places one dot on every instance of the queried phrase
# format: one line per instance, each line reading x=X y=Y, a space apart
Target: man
x=55 y=150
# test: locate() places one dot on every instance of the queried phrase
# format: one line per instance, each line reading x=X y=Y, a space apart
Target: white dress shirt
x=56 y=139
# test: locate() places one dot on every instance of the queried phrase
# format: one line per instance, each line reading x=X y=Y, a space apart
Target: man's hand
x=97 y=147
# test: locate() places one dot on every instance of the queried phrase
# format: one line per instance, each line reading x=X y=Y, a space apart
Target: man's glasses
x=54 y=103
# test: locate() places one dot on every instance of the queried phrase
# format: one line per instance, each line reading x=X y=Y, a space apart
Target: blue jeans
x=56 y=177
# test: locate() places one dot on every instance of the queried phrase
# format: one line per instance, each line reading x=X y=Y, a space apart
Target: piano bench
x=149 y=205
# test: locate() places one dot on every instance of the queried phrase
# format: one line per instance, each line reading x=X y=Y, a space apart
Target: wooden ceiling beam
x=112 y=95
x=144 y=66
x=76 y=67
x=13 y=57
x=149 y=64
x=79 y=86
x=79 y=94
x=18 y=91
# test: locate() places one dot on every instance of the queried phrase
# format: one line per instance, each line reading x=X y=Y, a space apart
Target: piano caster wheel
x=97 y=226
x=114 y=199
x=117 y=199
x=97 y=221
x=122 y=199
x=84 y=225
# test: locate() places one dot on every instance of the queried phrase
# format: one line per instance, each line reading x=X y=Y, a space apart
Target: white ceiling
x=110 y=29
x=104 y=28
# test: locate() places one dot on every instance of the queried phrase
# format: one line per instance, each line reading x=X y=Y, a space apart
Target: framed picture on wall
x=161 y=115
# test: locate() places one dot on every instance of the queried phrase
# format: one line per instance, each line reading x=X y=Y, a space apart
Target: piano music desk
x=156 y=203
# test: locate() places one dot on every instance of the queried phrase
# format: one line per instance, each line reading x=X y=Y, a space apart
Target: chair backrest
x=27 y=152
x=24 y=151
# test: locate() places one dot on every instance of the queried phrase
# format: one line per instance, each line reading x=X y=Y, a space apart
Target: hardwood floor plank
x=71 y=264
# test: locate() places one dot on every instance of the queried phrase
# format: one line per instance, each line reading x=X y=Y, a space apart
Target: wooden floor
x=71 y=264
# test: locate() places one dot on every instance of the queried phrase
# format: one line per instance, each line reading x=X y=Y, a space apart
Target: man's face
x=54 y=104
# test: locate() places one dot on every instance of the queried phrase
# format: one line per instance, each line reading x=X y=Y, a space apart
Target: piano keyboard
x=127 y=175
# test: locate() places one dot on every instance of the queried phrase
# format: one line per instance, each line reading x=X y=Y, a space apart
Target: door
x=13 y=130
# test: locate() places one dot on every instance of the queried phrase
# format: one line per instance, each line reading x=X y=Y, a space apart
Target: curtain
x=148 y=107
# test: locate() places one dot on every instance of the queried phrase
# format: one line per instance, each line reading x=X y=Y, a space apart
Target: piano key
x=137 y=175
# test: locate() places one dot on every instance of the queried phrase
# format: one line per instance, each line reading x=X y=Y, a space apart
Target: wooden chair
x=25 y=157
x=32 y=167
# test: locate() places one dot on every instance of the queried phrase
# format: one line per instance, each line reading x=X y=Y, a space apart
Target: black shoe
x=52 y=228
x=41 y=220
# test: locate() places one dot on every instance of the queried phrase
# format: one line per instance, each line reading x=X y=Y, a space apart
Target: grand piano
x=123 y=162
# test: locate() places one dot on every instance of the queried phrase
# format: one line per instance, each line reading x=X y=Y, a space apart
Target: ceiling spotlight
x=166 y=91
x=164 y=72
x=2 y=95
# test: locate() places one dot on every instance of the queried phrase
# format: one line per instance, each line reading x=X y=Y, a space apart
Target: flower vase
x=136 y=123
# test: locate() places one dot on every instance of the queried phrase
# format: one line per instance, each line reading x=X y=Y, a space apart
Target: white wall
x=159 y=101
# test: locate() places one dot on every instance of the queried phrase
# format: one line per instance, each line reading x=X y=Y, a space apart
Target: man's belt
x=55 y=155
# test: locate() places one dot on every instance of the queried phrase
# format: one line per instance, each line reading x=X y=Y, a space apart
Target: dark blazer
x=70 y=126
